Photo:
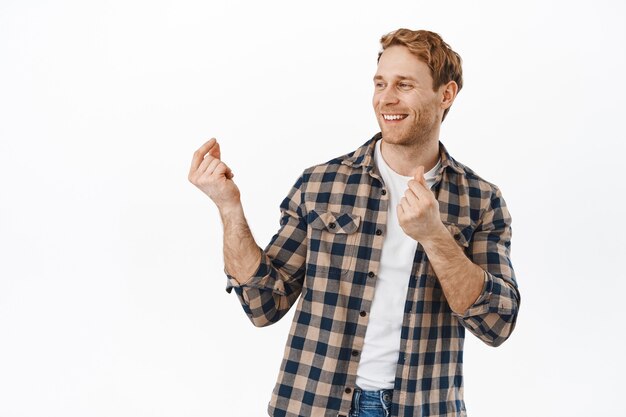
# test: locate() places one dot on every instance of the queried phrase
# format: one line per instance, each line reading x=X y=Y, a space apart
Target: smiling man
x=391 y=252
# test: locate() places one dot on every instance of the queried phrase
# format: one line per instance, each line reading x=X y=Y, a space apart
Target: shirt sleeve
x=270 y=292
x=493 y=315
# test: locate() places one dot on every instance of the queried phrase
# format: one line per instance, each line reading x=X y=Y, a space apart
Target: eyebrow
x=399 y=77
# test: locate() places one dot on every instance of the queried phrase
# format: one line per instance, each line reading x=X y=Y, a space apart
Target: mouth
x=394 y=117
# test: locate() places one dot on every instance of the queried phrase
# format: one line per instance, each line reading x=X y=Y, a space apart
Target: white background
x=112 y=298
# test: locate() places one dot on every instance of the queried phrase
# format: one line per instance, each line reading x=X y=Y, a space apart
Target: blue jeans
x=371 y=403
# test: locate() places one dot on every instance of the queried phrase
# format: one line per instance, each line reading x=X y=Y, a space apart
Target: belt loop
x=356 y=397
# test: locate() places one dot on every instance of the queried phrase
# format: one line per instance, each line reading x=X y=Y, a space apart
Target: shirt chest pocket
x=332 y=241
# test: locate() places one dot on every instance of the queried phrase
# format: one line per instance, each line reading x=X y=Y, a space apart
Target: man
x=393 y=251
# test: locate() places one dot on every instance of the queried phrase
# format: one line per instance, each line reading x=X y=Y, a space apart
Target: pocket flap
x=334 y=222
x=457 y=233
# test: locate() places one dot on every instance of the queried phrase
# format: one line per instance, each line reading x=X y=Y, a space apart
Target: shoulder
x=466 y=188
x=339 y=166
x=465 y=176
x=328 y=168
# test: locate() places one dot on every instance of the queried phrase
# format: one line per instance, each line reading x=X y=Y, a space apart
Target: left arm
x=480 y=287
x=462 y=280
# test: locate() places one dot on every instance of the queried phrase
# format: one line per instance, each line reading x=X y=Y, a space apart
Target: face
x=407 y=109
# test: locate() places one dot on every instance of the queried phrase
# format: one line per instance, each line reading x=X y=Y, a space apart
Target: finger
x=406 y=207
x=400 y=211
x=411 y=198
x=200 y=153
x=214 y=151
x=218 y=168
x=208 y=160
x=420 y=190
x=419 y=176
x=211 y=167
x=222 y=170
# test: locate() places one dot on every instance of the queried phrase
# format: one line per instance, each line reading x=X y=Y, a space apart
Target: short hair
x=429 y=47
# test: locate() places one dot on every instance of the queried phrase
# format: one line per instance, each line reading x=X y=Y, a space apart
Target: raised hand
x=213 y=177
x=418 y=211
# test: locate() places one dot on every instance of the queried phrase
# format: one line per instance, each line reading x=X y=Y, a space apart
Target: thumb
x=215 y=151
x=419 y=175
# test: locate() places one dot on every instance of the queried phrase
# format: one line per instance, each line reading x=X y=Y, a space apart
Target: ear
x=448 y=94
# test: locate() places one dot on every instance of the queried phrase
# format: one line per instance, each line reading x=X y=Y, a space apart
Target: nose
x=388 y=96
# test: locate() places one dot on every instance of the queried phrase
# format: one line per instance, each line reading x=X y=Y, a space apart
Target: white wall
x=112 y=297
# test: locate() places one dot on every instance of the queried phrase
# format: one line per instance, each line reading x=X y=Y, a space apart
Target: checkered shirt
x=326 y=256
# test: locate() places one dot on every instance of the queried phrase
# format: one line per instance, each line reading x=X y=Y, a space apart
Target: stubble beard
x=417 y=135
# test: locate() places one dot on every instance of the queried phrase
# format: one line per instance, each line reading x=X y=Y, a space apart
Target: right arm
x=266 y=282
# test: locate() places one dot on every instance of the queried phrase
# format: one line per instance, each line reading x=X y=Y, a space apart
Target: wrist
x=228 y=211
x=439 y=234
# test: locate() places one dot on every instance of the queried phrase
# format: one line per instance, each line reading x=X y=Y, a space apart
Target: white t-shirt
x=377 y=366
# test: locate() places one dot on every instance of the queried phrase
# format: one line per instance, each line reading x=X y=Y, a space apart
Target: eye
x=379 y=85
x=404 y=86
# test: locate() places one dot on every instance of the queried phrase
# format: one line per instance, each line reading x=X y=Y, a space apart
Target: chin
x=395 y=138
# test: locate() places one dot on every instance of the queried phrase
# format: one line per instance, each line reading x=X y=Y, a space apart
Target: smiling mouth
x=394 y=117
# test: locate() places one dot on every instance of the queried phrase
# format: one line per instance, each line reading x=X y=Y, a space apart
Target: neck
x=405 y=159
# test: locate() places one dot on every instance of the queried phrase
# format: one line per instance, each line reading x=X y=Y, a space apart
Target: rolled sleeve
x=265 y=278
x=481 y=305
x=493 y=315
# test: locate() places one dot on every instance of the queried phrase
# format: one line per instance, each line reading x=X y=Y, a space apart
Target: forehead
x=398 y=62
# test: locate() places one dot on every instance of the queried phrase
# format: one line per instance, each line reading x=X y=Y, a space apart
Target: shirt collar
x=364 y=156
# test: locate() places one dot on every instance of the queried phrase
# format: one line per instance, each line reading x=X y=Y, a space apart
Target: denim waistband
x=372 y=399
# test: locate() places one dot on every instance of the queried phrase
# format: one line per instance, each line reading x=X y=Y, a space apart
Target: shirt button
x=370 y=274
x=355 y=353
x=363 y=314
x=332 y=225
x=384 y=191
x=379 y=232
x=348 y=390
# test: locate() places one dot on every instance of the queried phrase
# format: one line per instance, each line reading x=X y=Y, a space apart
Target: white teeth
x=393 y=116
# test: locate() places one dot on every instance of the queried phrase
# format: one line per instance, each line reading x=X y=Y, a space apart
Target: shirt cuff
x=231 y=282
x=264 y=278
x=481 y=305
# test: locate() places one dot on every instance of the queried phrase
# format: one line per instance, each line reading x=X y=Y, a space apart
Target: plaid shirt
x=327 y=252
